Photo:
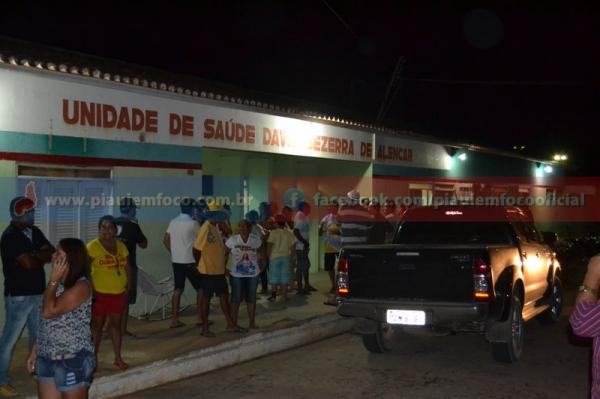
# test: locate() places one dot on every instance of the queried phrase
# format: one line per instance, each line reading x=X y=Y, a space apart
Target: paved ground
x=421 y=366
x=156 y=341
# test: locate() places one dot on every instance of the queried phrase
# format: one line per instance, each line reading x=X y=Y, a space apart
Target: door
x=535 y=267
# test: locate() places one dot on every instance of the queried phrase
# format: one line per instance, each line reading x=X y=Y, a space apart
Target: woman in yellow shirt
x=110 y=277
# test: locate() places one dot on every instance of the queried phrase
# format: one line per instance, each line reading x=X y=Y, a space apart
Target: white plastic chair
x=161 y=290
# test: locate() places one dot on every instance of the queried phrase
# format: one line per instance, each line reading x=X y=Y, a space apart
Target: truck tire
x=379 y=342
x=509 y=351
x=552 y=314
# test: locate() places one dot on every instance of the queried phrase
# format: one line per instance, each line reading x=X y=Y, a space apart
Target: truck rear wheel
x=509 y=351
x=380 y=341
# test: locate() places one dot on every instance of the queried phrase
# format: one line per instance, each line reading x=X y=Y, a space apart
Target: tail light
x=481 y=280
x=343 y=265
x=343 y=285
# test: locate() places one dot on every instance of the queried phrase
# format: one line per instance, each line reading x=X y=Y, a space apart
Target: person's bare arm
x=70 y=299
x=36 y=260
x=167 y=241
x=197 y=255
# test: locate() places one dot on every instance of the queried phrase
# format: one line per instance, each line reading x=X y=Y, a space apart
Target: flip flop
x=177 y=325
x=237 y=329
x=208 y=334
x=120 y=366
x=129 y=334
x=210 y=323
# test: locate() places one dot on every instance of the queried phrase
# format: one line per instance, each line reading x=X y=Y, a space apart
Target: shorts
x=279 y=270
x=183 y=270
x=302 y=261
x=214 y=284
x=105 y=304
x=243 y=288
x=132 y=298
x=330 y=261
x=67 y=374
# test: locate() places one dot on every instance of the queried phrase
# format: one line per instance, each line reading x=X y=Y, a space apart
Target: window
x=68 y=207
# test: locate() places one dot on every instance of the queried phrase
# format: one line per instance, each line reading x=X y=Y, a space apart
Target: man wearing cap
x=355 y=221
x=210 y=257
x=129 y=231
x=381 y=228
x=179 y=241
x=24 y=250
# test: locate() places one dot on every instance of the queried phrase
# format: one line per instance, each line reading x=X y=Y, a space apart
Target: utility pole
x=392 y=90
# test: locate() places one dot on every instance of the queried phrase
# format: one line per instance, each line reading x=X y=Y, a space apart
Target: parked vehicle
x=455 y=269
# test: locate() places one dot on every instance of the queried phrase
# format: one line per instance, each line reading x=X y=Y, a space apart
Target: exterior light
x=38 y=64
x=126 y=79
x=74 y=70
x=188 y=92
x=63 y=68
x=195 y=94
x=462 y=157
x=106 y=76
x=548 y=169
x=560 y=157
x=25 y=62
x=117 y=78
x=13 y=60
x=51 y=66
x=85 y=71
x=135 y=81
x=179 y=90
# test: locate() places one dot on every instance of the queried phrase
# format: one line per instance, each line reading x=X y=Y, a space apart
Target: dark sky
x=499 y=76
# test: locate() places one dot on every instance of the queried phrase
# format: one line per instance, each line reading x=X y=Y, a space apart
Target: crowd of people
x=92 y=285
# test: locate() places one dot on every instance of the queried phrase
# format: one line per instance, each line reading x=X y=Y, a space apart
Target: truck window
x=465 y=233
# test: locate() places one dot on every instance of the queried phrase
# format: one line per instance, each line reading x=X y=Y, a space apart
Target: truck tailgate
x=420 y=273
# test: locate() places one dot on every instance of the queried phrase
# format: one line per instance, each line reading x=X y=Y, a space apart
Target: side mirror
x=549 y=237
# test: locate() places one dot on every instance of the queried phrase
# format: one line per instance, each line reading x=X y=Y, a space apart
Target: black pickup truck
x=452 y=269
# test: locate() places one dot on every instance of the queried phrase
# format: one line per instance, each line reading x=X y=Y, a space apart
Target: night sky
x=503 y=76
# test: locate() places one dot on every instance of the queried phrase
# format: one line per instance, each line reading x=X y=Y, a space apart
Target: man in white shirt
x=179 y=241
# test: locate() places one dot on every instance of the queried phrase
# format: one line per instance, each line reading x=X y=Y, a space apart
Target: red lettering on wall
x=137 y=119
x=151 y=121
x=209 y=130
x=124 y=122
x=70 y=120
x=187 y=128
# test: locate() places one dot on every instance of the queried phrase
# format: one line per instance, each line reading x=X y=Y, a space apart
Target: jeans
x=20 y=311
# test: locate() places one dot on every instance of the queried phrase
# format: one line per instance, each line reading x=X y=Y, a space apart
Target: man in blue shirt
x=24 y=250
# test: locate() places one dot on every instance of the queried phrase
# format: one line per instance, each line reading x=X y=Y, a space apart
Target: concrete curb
x=223 y=355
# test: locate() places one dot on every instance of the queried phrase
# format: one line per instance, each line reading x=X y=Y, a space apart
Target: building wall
x=270 y=176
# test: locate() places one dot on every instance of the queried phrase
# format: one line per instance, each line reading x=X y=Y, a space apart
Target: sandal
x=200 y=324
x=236 y=329
x=120 y=365
x=177 y=325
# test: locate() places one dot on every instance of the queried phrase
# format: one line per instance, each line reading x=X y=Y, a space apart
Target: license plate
x=406 y=317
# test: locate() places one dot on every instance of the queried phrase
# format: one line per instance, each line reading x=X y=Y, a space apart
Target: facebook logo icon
x=293 y=197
